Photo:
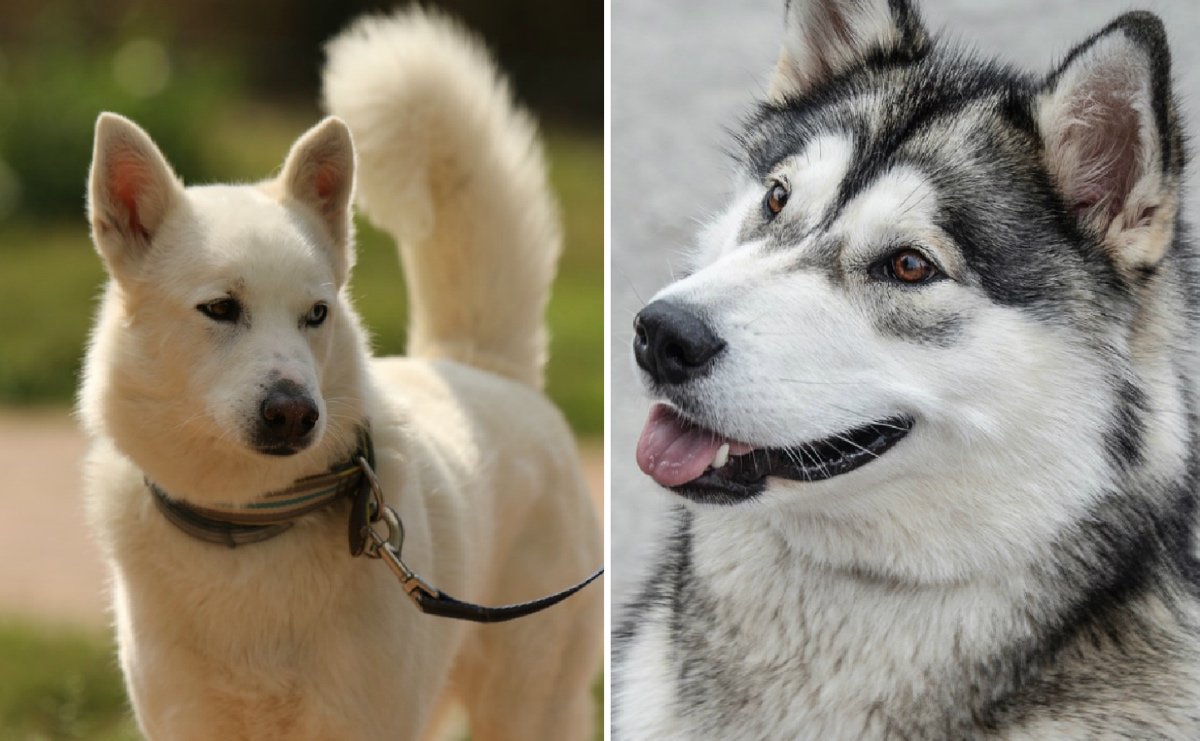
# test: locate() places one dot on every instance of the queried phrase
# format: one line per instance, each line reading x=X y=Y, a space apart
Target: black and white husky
x=928 y=400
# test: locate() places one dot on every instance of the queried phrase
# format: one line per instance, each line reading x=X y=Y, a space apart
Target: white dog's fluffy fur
x=293 y=638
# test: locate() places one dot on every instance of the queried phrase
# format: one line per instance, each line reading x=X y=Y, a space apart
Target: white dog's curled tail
x=452 y=168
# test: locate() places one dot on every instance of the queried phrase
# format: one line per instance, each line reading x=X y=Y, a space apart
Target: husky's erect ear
x=319 y=173
x=828 y=37
x=131 y=189
x=1112 y=140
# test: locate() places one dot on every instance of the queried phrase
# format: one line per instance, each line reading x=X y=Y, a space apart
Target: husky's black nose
x=286 y=417
x=673 y=344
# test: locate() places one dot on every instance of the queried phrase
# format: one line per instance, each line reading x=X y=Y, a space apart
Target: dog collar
x=273 y=513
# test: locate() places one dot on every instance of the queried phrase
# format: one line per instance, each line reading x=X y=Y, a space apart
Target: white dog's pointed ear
x=319 y=172
x=130 y=191
x=1112 y=141
x=825 y=38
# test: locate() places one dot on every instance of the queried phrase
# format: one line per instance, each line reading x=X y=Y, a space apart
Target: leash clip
x=388 y=549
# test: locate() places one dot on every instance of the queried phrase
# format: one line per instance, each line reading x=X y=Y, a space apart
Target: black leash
x=274 y=514
x=368 y=508
x=443 y=605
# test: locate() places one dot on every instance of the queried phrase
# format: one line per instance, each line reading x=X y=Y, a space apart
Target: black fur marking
x=914 y=110
x=1124 y=438
x=673 y=560
x=674 y=554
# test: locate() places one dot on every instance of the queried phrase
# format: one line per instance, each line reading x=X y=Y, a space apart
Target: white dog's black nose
x=288 y=414
x=673 y=344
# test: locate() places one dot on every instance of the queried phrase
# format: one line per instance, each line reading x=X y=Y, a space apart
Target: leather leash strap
x=443 y=605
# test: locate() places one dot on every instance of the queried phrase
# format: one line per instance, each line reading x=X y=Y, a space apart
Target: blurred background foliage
x=224 y=87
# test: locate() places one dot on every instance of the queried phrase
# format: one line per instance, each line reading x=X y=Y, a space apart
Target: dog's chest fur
x=291 y=638
x=768 y=644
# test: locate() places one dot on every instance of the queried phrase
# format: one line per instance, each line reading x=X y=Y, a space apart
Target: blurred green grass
x=60 y=684
x=63 y=684
x=50 y=275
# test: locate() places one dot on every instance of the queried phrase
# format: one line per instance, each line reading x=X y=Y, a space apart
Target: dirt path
x=49 y=567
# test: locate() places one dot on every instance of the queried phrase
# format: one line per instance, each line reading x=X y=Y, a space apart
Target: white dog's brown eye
x=777 y=198
x=316 y=315
x=221 y=310
x=910 y=266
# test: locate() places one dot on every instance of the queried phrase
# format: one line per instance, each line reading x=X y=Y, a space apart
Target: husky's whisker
x=845 y=439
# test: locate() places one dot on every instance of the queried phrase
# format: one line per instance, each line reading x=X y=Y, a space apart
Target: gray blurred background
x=683 y=71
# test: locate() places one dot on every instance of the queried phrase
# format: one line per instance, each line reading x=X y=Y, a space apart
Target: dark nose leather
x=287 y=414
x=673 y=343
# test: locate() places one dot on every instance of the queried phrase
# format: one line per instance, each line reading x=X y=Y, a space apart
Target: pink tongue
x=672 y=451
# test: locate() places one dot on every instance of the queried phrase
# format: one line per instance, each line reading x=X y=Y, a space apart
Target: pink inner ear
x=127 y=179
x=1104 y=149
x=327 y=183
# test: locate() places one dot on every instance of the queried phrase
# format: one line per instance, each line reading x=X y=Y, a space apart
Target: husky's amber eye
x=316 y=315
x=777 y=198
x=221 y=310
x=910 y=266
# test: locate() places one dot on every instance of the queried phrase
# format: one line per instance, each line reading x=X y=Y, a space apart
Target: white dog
x=227 y=363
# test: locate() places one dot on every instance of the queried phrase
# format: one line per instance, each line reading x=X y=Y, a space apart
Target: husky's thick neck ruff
x=273 y=513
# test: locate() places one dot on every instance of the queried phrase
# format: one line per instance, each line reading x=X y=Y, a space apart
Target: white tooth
x=722 y=456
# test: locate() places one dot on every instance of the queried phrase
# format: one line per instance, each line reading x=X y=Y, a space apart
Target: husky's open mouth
x=705 y=466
